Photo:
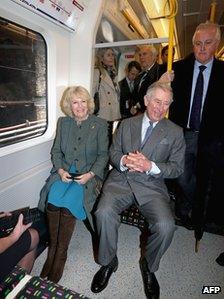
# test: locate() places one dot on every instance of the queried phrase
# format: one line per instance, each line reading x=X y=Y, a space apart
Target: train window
x=23 y=83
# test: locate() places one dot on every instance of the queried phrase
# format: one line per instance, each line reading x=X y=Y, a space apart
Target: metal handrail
x=20 y=130
x=26 y=124
x=35 y=132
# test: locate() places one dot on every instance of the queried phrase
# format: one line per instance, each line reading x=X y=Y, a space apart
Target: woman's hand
x=84 y=178
x=65 y=176
x=5 y=214
x=20 y=228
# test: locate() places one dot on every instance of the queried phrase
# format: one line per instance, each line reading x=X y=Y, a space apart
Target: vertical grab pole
x=212 y=11
x=170 y=45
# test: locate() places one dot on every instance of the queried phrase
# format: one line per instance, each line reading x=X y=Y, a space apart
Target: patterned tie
x=131 y=85
x=147 y=134
x=143 y=75
x=195 y=116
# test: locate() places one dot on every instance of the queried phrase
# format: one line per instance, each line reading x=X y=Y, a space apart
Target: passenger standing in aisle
x=151 y=72
x=199 y=73
x=132 y=70
x=105 y=81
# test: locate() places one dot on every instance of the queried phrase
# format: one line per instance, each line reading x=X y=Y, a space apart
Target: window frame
x=28 y=130
x=46 y=33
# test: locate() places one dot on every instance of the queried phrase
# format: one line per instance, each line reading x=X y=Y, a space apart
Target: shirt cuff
x=154 y=169
x=122 y=167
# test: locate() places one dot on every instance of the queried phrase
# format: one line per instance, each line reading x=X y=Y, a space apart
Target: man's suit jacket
x=211 y=137
x=165 y=147
x=125 y=98
x=212 y=114
x=139 y=92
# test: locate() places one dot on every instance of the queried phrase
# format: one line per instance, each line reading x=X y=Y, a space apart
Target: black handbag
x=97 y=97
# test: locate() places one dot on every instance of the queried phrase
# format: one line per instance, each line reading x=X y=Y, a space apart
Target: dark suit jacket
x=166 y=147
x=152 y=76
x=212 y=114
x=211 y=140
x=125 y=98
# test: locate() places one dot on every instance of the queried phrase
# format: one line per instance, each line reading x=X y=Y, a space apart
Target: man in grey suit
x=146 y=149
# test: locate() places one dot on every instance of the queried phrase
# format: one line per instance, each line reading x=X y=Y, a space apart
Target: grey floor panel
x=182 y=273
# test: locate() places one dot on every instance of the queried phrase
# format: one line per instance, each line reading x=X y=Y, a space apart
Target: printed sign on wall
x=66 y=12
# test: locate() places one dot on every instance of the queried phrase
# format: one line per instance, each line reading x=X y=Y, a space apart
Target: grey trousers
x=158 y=214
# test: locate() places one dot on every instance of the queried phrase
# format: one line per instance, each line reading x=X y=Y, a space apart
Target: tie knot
x=150 y=123
x=202 y=68
x=144 y=73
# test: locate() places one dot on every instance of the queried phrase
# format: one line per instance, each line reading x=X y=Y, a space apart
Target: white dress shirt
x=145 y=123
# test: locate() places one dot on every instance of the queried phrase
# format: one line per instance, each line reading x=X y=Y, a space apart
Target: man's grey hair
x=208 y=26
x=159 y=85
x=150 y=48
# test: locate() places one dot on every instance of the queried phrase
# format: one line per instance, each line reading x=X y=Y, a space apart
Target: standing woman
x=105 y=81
x=80 y=147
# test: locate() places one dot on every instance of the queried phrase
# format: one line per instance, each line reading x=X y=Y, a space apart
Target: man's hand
x=167 y=77
x=136 y=162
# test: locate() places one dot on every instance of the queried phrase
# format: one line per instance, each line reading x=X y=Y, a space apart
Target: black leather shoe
x=101 y=278
x=220 y=259
x=150 y=282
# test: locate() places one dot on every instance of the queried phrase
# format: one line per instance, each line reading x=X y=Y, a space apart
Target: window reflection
x=23 y=85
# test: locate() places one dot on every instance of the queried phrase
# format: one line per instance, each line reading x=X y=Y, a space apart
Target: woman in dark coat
x=80 y=147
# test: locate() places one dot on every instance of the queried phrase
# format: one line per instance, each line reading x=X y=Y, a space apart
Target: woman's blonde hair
x=79 y=92
x=99 y=59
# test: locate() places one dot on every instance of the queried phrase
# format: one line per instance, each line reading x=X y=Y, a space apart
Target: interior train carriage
x=46 y=46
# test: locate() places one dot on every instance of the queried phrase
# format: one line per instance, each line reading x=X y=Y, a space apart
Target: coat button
x=108 y=92
x=79 y=138
x=75 y=148
x=109 y=103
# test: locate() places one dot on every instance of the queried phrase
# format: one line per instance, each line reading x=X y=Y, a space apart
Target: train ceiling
x=136 y=19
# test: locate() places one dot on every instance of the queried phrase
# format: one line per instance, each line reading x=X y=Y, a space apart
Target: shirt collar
x=146 y=120
x=208 y=65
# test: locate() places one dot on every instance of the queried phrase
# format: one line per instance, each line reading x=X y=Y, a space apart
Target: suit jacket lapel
x=136 y=129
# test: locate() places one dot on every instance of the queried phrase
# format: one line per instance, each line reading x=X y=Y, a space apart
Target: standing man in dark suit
x=202 y=127
x=132 y=70
x=151 y=72
x=147 y=149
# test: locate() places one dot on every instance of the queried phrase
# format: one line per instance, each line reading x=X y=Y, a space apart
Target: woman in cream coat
x=105 y=81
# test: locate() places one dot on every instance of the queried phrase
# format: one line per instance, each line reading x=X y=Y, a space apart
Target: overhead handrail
x=132 y=42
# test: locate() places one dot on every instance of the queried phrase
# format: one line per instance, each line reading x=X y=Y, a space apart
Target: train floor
x=182 y=273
